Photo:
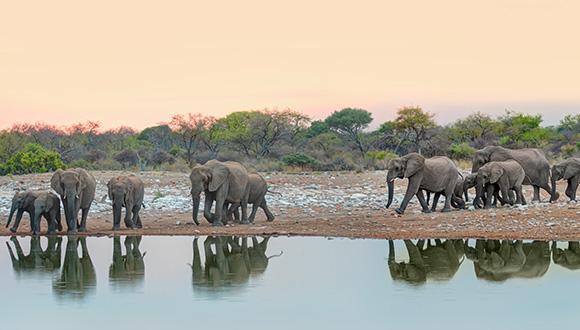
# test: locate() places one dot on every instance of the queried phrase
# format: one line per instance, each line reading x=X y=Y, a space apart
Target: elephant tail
x=143 y=204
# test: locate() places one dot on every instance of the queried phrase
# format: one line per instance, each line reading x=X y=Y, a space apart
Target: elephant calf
x=508 y=175
x=568 y=170
x=126 y=191
x=258 y=188
x=37 y=204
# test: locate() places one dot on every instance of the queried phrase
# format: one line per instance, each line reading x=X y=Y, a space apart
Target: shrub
x=34 y=158
x=300 y=160
x=569 y=150
x=461 y=151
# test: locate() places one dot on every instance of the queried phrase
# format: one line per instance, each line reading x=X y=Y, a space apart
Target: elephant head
x=487 y=174
x=480 y=158
x=565 y=170
x=19 y=201
x=120 y=192
x=403 y=167
x=69 y=185
x=207 y=179
x=43 y=204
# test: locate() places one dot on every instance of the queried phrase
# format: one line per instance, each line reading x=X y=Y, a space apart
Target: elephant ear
x=495 y=174
x=55 y=182
x=219 y=174
x=414 y=163
x=571 y=171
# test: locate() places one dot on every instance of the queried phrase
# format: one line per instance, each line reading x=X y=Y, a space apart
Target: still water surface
x=286 y=283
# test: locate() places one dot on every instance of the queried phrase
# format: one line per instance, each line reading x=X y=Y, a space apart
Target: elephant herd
x=493 y=260
x=227 y=184
x=498 y=174
x=232 y=261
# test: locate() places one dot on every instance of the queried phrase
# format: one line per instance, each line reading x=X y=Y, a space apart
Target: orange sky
x=136 y=63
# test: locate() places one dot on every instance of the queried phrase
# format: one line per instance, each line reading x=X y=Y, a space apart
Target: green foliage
x=381 y=155
x=569 y=150
x=300 y=160
x=414 y=123
x=461 y=151
x=521 y=130
x=34 y=158
x=350 y=123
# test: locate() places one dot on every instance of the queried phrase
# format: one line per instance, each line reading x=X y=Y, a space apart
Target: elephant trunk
x=390 y=192
x=466 y=191
x=36 y=221
x=554 y=193
x=478 y=194
x=117 y=210
x=71 y=214
x=12 y=210
x=195 y=211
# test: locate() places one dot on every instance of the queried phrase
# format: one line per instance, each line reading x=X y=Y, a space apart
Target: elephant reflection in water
x=498 y=261
x=567 y=258
x=127 y=269
x=228 y=261
x=77 y=276
x=37 y=260
x=438 y=261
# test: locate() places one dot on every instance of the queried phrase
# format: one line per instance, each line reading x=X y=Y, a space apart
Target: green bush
x=461 y=151
x=34 y=158
x=569 y=150
x=300 y=160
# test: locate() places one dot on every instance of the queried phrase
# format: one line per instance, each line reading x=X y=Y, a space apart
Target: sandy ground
x=342 y=204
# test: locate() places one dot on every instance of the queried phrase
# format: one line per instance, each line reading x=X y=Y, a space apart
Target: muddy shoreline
x=317 y=204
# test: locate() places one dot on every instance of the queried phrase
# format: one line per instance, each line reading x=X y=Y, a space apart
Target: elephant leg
x=129 y=216
x=231 y=211
x=536 y=194
x=412 y=189
x=136 y=218
x=423 y=202
x=219 y=209
x=51 y=223
x=269 y=215
x=84 y=215
x=574 y=183
x=519 y=195
x=490 y=191
x=16 y=224
x=435 y=201
x=244 y=207
x=504 y=192
x=448 y=197
x=253 y=213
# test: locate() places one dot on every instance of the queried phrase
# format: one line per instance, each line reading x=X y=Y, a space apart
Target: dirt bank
x=319 y=204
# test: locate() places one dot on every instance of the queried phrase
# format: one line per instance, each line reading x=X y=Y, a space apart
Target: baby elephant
x=568 y=170
x=256 y=197
x=37 y=204
x=126 y=191
x=508 y=175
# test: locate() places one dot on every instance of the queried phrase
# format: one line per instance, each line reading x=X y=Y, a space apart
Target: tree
x=519 y=130
x=414 y=123
x=477 y=129
x=190 y=128
x=350 y=123
x=33 y=159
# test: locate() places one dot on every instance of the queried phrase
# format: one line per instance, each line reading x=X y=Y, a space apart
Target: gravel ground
x=324 y=204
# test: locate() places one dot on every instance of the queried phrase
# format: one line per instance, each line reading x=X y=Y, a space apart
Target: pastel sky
x=136 y=63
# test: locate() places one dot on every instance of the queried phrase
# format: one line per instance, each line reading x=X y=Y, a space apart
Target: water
x=286 y=283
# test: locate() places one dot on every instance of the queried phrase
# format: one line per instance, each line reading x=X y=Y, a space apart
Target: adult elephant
x=533 y=161
x=78 y=276
x=568 y=170
x=222 y=182
x=439 y=261
x=126 y=191
x=76 y=188
x=436 y=175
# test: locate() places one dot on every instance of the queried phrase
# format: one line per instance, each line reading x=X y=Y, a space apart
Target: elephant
x=232 y=264
x=532 y=160
x=222 y=182
x=568 y=170
x=439 y=261
x=37 y=260
x=37 y=204
x=498 y=261
x=128 y=269
x=508 y=175
x=567 y=258
x=77 y=277
x=457 y=202
x=436 y=175
x=76 y=188
x=126 y=191
x=256 y=196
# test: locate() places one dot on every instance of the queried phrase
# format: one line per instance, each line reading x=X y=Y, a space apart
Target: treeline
x=273 y=140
